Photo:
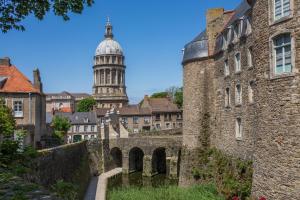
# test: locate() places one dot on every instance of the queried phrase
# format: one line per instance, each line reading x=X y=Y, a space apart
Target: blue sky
x=151 y=33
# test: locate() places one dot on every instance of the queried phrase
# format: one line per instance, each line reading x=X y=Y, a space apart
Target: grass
x=200 y=192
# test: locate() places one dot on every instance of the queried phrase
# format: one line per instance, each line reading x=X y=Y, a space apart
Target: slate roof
x=197 y=48
x=13 y=81
x=75 y=118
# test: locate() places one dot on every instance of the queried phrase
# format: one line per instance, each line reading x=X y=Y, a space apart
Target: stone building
x=26 y=100
x=64 y=101
x=109 y=88
x=242 y=91
x=151 y=114
x=84 y=125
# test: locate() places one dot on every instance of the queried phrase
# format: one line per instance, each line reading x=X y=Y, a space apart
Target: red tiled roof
x=65 y=110
x=16 y=81
x=162 y=105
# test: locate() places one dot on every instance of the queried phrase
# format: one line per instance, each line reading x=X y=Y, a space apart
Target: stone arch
x=136 y=156
x=116 y=155
x=159 y=161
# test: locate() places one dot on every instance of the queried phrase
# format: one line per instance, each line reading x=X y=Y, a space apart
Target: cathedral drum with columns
x=109 y=88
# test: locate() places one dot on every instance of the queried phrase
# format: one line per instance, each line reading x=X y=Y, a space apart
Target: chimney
x=214 y=24
x=5 y=61
x=37 y=80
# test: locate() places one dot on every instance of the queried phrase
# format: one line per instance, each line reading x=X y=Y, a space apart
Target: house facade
x=64 y=101
x=241 y=90
x=150 y=115
x=26 y=100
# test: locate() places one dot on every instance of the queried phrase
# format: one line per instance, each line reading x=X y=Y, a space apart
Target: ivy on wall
x=232 y=176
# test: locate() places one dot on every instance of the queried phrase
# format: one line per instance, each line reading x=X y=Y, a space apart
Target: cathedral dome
x=109 y=46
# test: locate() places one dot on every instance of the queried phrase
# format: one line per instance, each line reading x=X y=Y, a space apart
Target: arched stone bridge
x=149 y=154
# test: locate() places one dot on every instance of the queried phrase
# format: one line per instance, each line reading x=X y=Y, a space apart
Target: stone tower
x=109 y=88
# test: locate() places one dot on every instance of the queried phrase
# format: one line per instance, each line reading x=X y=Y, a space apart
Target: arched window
x=238 y=94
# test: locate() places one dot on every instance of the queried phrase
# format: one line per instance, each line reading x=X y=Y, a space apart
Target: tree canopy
x=175 y=93
x=13 y=12
x=159 y=95
x=86 y=105
x=7 y=121
x=61 y=125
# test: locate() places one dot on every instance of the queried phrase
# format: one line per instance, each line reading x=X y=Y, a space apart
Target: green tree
x=86 y=105
x=178 y=97
x=7 y=121
x=159 y=95
x=12 y=12
x=61 y=125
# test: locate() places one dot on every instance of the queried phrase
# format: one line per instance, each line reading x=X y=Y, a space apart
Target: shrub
x=233 y=177
x=65 y=190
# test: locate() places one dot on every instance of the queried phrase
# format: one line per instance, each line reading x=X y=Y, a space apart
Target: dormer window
x=248 y=25
x=86 y=120
x=237 y=30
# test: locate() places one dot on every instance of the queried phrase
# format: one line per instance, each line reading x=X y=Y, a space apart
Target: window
x=281 y=9
x=238 y=94
x=226 y=68
x=135 y=120
x=92 y=136
x=85 y=128
x=282 y=54
x=179 y=116
x=238 y=128
x=250 y=91
x=237 y=62
x=77 y=128
x=86 y=137
x=92 y=128
x=147 y=120
x=135 y=130
x=249 y=57
x=18 y=108
x=125 y=120
x=157 y=117
x=248 y=26
x=157 y=126
x=227 y=97
x=168 y=117
x=237 y=30
x=168 y=125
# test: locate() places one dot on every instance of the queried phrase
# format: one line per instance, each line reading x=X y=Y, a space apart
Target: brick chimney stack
x=37 y=80
x=5 y=61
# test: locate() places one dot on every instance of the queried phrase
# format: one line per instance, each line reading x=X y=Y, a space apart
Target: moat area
x=137 y=180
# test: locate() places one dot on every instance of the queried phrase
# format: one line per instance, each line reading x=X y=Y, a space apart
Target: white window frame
x=274 y=54
x=238 y=128
x=135 y=119
x=238 y=95
x=227 y=97
x=238 y=65
x=226 y=68
x=159 y=126
x=250 y=57
x=282 y=10
x=251 y=92
x=92 y=128
x=18 y=114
